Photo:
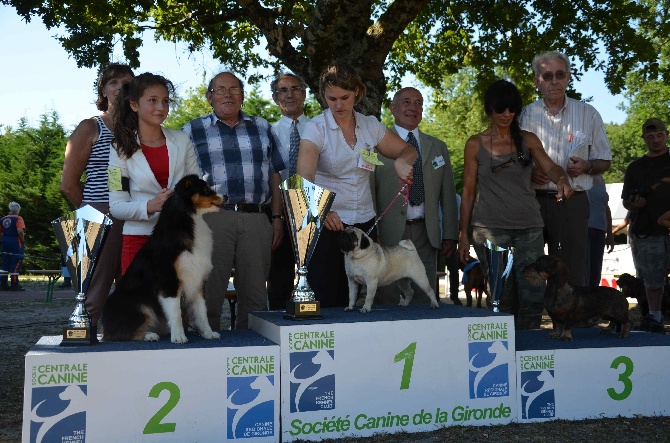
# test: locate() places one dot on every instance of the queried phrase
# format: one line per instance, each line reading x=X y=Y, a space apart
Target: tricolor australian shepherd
x=169 y=269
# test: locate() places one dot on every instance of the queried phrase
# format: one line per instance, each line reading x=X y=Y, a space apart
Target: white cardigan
x=131 y=204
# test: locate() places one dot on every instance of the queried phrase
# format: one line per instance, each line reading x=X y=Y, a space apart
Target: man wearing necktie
x=289 y=93
x=431 y=194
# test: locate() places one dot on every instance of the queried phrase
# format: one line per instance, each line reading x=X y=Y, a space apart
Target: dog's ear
x=561 y=274
x=365 y=242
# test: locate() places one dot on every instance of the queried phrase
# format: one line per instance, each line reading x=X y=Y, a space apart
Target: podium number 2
x=624 y=377
x=406 y=354
x=154 y=425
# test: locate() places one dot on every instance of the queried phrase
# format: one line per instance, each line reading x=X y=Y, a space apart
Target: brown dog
x=633 y=287
x=474 y=279
x=568 y=306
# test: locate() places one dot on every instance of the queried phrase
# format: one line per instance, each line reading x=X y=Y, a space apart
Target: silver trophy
x=80 y=235
x=499 y=267
x=306 y=206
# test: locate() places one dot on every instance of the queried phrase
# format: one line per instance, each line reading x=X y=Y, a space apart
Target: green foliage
x=259 y=106
x=32 y=160
x=427 y=38
x=185 y=108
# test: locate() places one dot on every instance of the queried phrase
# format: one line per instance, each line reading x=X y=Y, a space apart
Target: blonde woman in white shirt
x=333 y=149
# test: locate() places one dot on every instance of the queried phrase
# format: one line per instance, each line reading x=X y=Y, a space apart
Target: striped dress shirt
x=559 y=135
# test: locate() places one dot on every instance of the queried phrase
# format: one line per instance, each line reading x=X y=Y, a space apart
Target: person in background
x=430 y=218
x=498 y=200
x=147 y=160
x=240 y=157
x=646 y=190
x=600 y=229
x=289 y=93
x=337 y=152
x=12 y=231
x=573 y=135
x=87 y=154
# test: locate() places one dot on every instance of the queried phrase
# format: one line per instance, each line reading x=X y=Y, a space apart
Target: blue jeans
x=528 y=245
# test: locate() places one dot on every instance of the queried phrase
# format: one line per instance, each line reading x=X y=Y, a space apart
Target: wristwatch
x=277 y=216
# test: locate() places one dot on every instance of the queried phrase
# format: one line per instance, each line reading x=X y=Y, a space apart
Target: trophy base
x=303 y=310
x=73 y=336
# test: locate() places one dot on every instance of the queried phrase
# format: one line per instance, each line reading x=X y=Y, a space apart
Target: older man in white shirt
x=289 y=93
x=573 y=135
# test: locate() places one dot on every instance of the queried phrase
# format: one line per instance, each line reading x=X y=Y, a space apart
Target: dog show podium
x=204 y=390
x=394 y=369
x=593 y=376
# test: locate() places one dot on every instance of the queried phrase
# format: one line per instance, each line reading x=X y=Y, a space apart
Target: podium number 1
x=406 y=354
x=154 y=425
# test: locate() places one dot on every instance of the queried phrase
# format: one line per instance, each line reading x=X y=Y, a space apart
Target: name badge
x=437 y=162
x=114 y=179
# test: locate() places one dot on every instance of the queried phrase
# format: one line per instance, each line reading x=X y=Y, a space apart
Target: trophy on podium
x=306 y=207
x=80 y=235
x=500 y=265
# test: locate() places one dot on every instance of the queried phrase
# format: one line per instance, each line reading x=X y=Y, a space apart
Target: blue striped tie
x=294 y=146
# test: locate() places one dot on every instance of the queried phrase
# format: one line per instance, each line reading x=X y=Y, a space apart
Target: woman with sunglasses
x=503 y=209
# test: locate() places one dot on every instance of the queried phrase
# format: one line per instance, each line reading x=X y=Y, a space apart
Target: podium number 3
x=624 y=377
x=154 y=425
x=406 y=354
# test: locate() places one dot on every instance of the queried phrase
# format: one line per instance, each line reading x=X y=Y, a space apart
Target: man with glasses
x=646 y=190
x=289 y=93
x=573 y=134
x=240 y=158
x=430 y=218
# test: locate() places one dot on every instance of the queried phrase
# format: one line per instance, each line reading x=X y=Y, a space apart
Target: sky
x=38 y=76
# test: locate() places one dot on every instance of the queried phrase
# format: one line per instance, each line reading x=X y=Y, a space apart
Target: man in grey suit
x=432 y=191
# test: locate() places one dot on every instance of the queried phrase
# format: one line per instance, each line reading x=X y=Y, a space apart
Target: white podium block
x=205 y=390
x=593 y=376
x=394 y=369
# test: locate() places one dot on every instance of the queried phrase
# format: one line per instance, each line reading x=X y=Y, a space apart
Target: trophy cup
x=306 y=207
x=500 y=265
x=80 y=235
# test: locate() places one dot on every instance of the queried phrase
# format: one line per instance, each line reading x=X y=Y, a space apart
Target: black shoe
x=456 y=300
x=65 y=284
x=17 y=288
x=649 y=324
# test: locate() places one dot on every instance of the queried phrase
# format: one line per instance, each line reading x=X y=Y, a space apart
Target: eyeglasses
x=500 y=109
x=502 y=166
x=221 y=90
x=549 y=76
x=293 y=89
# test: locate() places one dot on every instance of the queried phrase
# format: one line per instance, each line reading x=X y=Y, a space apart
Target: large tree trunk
x=338 y=30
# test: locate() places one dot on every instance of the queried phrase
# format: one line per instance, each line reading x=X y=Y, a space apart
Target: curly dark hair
x=125 y=119
x=109 y=72
x=344 y=75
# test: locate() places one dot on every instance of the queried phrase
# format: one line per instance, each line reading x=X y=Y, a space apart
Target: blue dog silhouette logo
x=312 y=381
x=58 y=413
x=537 y=394
x=489 y=369
x=251 y=404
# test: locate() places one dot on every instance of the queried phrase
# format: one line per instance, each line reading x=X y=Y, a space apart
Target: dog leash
x=405 y=187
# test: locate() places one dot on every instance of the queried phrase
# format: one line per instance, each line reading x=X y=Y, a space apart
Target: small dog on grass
x=633 y=287
x=474 y=278
x=569 y=305
x=373 y=265
x=171 y=267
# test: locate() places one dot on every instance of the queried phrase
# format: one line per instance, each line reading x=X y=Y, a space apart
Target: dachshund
x=569 y=305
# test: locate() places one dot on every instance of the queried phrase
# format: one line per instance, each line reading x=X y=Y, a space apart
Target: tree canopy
x=428 y=38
